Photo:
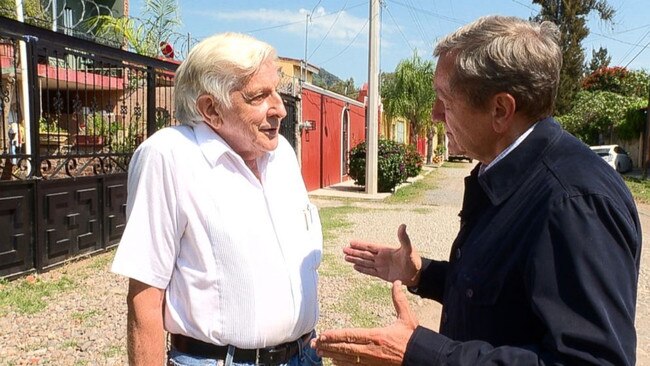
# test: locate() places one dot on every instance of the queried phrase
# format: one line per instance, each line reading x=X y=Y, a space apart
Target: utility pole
x=24 y=83
x=646 y=139
x=303 y=65
x=372 y=114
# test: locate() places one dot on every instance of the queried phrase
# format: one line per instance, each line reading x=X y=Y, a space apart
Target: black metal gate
x=288 y=126
x=63 y=175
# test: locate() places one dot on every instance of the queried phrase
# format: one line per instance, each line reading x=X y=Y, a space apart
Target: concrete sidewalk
x=348 y=189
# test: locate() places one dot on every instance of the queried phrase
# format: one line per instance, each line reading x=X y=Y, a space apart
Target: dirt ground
x=86 y=325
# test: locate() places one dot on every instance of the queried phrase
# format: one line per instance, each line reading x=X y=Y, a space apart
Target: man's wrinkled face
x=251 y=125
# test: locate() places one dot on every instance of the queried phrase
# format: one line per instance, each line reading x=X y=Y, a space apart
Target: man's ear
x=503 y=109
x=207 y=107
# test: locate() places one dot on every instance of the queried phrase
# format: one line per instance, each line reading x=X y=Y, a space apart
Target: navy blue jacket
x=544 y=269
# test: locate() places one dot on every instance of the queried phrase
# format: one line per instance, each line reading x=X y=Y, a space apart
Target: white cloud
x=345 y=27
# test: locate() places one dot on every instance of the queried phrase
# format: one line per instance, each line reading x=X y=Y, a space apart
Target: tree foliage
x=612 y=102
x=618 y=80
x=598 y=114
x=599 y=59
x=331 y=82
x=409 y=93
x=33 y=12
x=571 y=17
x=395 y=164
x=144 y=35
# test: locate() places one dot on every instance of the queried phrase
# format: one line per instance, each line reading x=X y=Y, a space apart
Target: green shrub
x=391 y=164
x=413 y=161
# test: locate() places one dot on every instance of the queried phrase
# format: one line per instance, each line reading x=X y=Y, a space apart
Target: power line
x=299 y=21
x=346 y=47
x=400 y=30
x=416 y=21
x=329 y=30
x=274 y=27
x=314 y=9
x=633 y=29
x=617 y=40
x=631 y=49
x=637 y=55
x=524 y=5
x=430 y=13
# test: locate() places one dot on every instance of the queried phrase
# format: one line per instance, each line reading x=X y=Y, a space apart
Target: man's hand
x=390 y=264
x=376 y=346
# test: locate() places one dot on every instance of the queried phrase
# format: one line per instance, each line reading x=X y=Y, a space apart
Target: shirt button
x=469 y=293
x=458 y=253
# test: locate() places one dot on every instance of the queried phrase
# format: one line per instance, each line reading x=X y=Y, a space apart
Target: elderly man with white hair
x=221 y=244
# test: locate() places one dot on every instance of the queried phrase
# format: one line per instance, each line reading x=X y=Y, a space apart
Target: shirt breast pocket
x=309 y=236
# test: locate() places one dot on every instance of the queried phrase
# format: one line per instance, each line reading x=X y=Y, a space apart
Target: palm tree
x=409 y=93
x=142 y=36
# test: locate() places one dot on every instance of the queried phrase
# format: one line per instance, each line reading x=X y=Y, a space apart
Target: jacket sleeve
x=432 y=280
x=581 y=277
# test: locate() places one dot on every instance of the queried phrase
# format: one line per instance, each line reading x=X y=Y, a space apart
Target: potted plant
x=94 y=131
x=50 y=134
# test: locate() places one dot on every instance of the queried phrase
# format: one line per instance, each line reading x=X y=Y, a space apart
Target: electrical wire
x=329 y=30
x=632 y=48
x=296 y=22
x=637 y=55
x=617 y=40
x=346 y=47
x=314 y=9
x=430 y=13
x=418 y=24
x=400 y=30
x=524 y=5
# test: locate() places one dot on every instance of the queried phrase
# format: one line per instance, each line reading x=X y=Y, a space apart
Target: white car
x=615 y=156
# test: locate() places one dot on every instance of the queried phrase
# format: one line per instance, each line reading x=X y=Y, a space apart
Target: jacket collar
x=506 y=176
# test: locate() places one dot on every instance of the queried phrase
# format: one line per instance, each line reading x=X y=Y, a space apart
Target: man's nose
x=277 y=108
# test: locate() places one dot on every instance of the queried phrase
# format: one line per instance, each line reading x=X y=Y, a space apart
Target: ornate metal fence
x=72 y=113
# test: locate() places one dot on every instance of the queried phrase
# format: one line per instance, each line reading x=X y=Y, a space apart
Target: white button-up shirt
x=237 y=257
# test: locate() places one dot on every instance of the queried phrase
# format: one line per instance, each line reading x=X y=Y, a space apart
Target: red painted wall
x=422 y=146
x=311 y=140
x=321 y=148
x=357 y=125
x=331 y=141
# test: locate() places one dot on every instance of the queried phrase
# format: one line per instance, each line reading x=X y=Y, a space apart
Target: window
x=399 y=132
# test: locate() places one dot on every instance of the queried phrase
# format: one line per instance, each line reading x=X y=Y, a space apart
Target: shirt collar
x=507 y=151
x=509 y=173
x=213 y=146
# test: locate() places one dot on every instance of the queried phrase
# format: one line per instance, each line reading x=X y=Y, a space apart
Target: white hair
x=218 y=65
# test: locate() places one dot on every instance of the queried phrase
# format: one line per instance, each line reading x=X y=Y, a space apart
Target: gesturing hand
x=376 y=346
x=390 y=264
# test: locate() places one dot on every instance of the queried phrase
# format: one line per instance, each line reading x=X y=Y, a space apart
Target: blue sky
x=338 y=30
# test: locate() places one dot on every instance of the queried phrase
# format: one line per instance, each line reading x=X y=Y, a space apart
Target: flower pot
x=89 y=140
x=52 y=139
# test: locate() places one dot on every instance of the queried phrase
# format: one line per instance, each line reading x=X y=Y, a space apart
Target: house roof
x=310 y=67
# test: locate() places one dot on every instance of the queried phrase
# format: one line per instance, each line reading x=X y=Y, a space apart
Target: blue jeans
x=305 y=357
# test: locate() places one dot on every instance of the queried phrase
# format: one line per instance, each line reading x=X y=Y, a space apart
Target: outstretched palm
x=388 y=263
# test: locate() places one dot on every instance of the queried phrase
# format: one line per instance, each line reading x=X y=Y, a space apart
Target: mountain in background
x=331 y=82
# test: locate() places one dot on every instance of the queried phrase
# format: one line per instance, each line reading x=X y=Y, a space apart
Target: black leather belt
x=274 y=355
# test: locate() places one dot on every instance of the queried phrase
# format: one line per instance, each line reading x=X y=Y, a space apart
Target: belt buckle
x=273 y=355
